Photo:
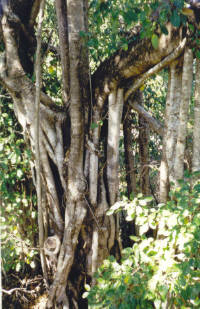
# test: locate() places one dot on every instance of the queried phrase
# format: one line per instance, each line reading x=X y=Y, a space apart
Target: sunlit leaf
x=154 y=40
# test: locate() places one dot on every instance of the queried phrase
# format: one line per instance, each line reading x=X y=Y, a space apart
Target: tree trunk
x=75 y=208
x=170 y=130
x=37 y=141
x=183 y=116
x=143 y=150
x=61 y=11
x=164 y=173
x=128 y=153
x=196 y=134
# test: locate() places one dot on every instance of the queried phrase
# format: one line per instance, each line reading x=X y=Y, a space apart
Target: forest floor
x=23 y=291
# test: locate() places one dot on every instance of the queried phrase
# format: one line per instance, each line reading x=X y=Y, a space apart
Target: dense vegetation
x=162 y=267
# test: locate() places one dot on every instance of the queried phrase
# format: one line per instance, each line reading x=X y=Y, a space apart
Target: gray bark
x=61 y=11
x=196 y=134
x=37 y=141
x=115 y=107
x=183 y=116
x=143 y=141
x=170 y=130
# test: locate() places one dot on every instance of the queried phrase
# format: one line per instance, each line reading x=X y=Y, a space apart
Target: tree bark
x=183 y=116
x=61 y=11
x=128 y=153
x=143 y=141
x=170 y=130
x=164 y=173
x=115 y=107
x=196 y=134
x=37 y=141
x=76 y=207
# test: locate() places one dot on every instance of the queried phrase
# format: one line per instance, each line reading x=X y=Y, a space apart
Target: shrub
x=18 y=202
x=162 y=268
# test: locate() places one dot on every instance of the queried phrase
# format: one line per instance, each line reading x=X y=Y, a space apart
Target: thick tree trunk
x=183 y=116
x=128 y=153
x=37 y=141
x=61 y=11
x=171 y=128
x=164 y=173
x=143 y=141
x=115 y=107
x=76 y=207
x=196 y=134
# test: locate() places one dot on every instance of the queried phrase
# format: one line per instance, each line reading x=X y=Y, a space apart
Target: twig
x=9 y=292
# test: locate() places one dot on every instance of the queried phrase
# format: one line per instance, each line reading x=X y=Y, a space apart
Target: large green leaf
x=155 y=40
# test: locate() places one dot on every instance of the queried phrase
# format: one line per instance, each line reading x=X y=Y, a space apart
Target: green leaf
x=198 y=54
x=19 y=173
x=135 y=238
x=18 y=267
x=110 y=212
x=129 y=218
x=164 y=29
x=85 y=295
x=83 y=34
x=131 y=196
x=143 y=229
x=114 y=208
x=125 y=46
x=87 y=287
x=33 y=214
x=154 y=41
x=32 y=264
x=175 y=19
x=191 y=27
x=94 y=125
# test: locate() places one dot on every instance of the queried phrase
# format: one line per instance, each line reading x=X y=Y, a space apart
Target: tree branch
x=9 y=292
x=158 y=67
x=154 y=124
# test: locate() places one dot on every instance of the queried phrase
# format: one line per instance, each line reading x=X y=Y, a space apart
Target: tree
x=79 y=140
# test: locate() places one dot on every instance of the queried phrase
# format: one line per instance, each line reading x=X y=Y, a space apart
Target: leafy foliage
x=18 y=213
x=162 y=268
x=112 y=24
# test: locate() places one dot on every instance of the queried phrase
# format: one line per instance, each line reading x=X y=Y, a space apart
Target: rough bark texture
x=61 y=11
x=37 y=140
x=171 y=128
x=164 y=173
x=173 y=117
x=75 y=210
x=115 y=107
x=183 y=116
x=79 y=162
x=128 y=153
x=143 y=141
x=196 y=134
